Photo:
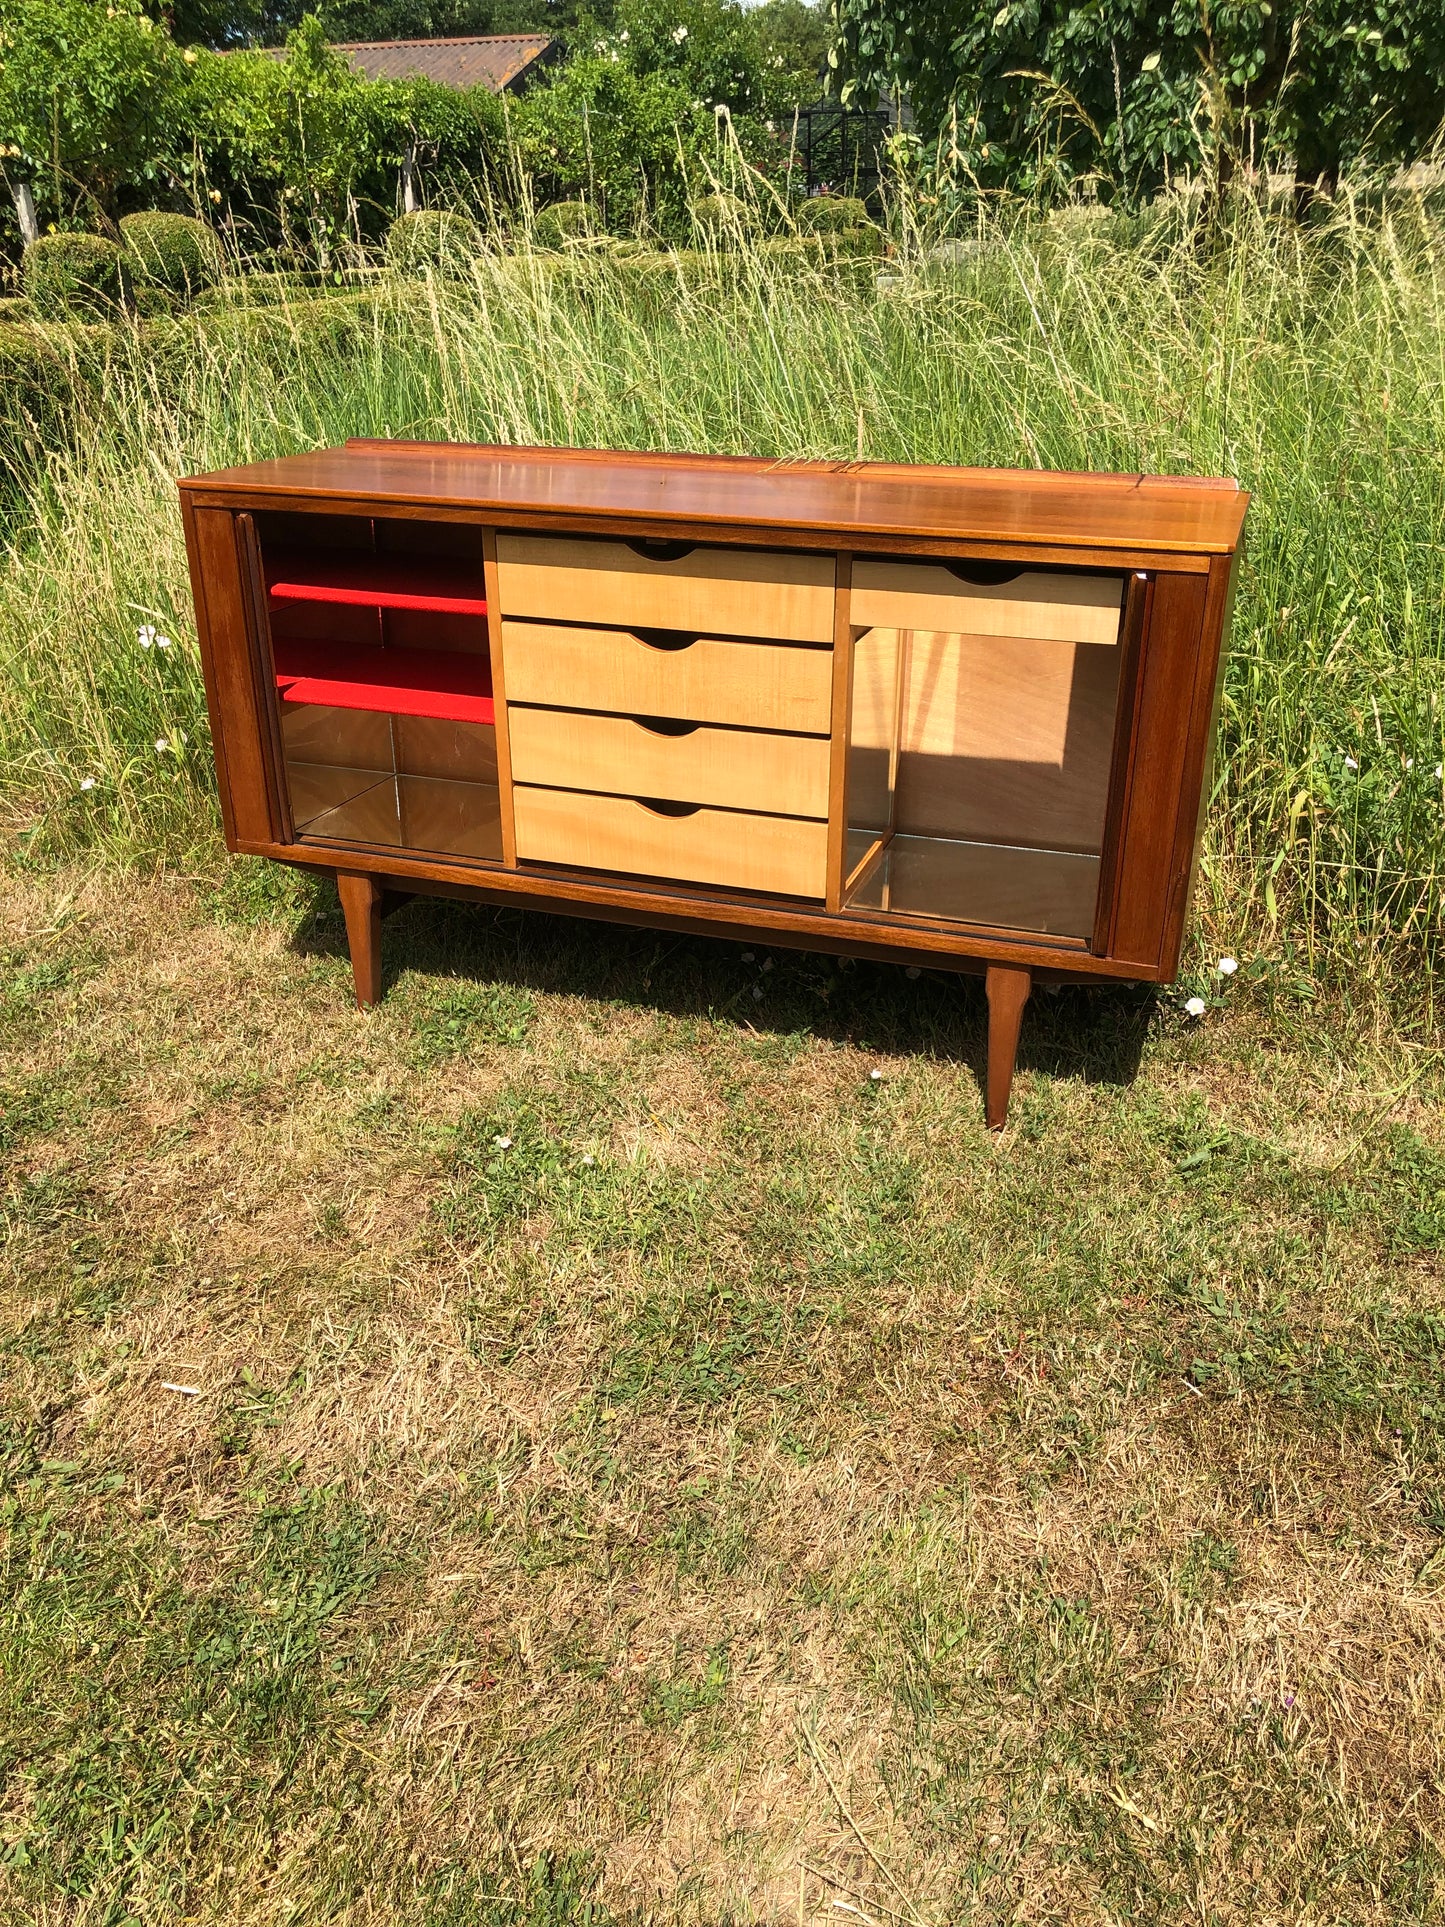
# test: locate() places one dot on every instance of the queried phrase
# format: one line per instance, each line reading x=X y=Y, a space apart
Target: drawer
x=773 y=855
x=1044 y=608
x=740 y=592
x=754 y=685
x=736 y=769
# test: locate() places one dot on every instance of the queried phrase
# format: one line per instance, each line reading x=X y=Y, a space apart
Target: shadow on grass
x=1077 y=1031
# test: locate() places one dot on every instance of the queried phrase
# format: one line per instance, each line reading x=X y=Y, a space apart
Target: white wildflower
x=875 y=1077
x=679 y=34
x=163 y=642
x=1227 y=966
x=624 y=36
x=146 y=635
x=767 y=963
x=1196 y=1007
x=1350 y=763
x=589 y=1160
x=750 y=956
x=1409 y=762
x=162 y=745
x=502 y=1143
x=87 y=782
x=757 y=993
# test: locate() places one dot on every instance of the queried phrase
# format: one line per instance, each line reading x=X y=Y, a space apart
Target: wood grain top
x=845 y=502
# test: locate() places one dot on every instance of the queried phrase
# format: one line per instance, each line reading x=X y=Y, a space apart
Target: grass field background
x=630 y=1461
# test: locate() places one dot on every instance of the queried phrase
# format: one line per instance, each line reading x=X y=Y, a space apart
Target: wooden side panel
x=1195 y=775
x=1046 y=608
x=739 y=769
x=750 y=685
x=739 y=592
x=840 y=709
x=1165 y=752
x=501 y=696
x=776 y=855
x=238 y=721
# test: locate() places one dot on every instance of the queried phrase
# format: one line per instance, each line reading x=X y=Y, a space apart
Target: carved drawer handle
x=985 y=575
x=671 y=640
x=659 y=807
x=655 y=549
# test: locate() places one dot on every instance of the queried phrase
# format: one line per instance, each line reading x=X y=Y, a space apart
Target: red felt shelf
x=357 y=576
x=398 y=682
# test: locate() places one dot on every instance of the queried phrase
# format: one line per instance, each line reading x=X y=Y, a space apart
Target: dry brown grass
x=809 y=1506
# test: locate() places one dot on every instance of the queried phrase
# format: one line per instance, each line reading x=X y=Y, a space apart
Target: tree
x=1132 y=91
x=91 y=99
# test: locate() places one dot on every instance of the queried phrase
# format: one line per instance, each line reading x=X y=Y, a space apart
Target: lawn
x=607 y=1436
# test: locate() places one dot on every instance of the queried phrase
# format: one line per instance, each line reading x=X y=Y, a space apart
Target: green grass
x=632 y=1464
x=638 y=1466
x=1309 y=364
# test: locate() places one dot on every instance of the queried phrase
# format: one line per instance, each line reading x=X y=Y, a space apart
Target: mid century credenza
x=957 y=717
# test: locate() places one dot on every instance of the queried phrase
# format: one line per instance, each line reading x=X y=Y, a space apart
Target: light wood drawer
x=736 y=769
x=739 y=592
x=773 y=855
x=1044 y=608
x=754 y=685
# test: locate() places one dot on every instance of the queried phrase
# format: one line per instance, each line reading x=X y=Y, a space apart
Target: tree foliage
x=1132 y=91
x=90 y=97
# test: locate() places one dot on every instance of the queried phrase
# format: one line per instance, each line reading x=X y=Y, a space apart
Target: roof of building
x=496 y=61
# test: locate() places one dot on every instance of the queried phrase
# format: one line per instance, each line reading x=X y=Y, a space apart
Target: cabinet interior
x=979 y=757
x=379 y=641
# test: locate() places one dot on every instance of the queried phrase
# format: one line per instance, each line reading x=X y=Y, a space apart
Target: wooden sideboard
x=954 y=717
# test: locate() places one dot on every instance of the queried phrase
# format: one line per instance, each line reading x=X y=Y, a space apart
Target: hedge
x=432 y=238
x=173 y=252
x=67 y=274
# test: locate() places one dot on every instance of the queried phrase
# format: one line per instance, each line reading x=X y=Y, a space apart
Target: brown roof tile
x=478 y=60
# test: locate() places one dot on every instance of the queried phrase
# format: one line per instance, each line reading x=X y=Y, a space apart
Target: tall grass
x=1308 y=363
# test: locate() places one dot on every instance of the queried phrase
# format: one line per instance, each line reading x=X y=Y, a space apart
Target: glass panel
x=406 y=782
x=1003 y=885
x=379 y=637
x=990 y=807
x=872 y=743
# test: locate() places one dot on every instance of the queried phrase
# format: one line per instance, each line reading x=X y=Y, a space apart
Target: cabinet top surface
x=845 y=501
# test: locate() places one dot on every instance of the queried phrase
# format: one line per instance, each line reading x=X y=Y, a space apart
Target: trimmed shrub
x=433 y=238
x=172 y=251
x=833 y=214
x=562 y=222
x=723 y=218
x=68 y=274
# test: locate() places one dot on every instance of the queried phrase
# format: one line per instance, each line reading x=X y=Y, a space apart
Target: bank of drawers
x=690 y=741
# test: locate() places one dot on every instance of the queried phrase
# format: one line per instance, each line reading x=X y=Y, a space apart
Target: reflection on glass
x=978 y=775
x=872 y=746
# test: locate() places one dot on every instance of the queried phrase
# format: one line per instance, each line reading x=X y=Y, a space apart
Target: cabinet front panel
x=731 y=768
x=1041 y=607
x=771 y=855
x=752 y=685
x=740 y=592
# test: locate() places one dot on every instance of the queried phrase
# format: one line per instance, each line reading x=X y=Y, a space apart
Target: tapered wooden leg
x=361 y=906
x=1007 y=988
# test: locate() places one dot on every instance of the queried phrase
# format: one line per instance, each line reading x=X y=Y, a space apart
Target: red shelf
x=357 y=576
x=398 y=682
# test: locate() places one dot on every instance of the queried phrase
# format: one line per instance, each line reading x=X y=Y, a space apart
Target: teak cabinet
x=950 y=716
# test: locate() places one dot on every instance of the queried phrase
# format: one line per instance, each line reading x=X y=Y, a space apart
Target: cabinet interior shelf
x=452 y=684
x=363 y=579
